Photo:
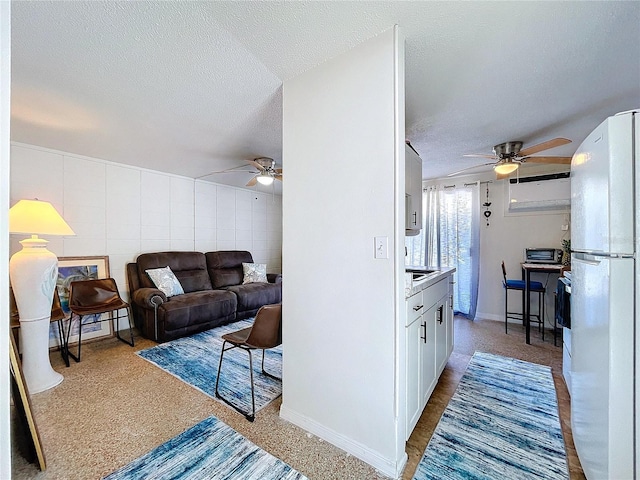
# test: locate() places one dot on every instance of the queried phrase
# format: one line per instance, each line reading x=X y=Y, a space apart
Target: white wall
x=345 y=118
x=505 y=238
x=5 y=96
x=122 y=211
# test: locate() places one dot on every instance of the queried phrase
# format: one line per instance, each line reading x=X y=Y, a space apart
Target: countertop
x=435 y=276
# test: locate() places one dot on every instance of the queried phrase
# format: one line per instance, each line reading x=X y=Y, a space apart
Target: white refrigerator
x=605 y=204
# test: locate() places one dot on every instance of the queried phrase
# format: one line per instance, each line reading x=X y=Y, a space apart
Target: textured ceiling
x=194 y=87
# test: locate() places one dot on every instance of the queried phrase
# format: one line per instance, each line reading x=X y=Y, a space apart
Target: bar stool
x=519 y=285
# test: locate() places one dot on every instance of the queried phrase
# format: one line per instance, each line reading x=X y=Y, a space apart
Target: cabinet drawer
x=415 y=307
x=435 y=292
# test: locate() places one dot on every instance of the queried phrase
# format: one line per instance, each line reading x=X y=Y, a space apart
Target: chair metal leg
x=542 y=299
x=116 y=326
x=249 y=416
x=264 y=371
x=219 y=368
x=506 y=315
x=76 y=358
x=63 y=343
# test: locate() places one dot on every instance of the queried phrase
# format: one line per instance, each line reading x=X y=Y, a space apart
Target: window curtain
x=451 y=238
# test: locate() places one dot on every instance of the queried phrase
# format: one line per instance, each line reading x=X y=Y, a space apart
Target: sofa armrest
x=274 y=277
x=149 y=297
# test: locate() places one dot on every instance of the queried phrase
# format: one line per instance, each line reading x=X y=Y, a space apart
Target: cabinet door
x=428 y=356
x=450 y=317
x=442 y=349
x=414 y=410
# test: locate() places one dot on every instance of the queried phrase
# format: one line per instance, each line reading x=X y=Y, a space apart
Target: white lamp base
x=33 y=271
x=36 y=366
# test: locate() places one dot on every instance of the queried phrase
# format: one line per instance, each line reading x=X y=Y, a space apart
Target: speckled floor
x=113 y=407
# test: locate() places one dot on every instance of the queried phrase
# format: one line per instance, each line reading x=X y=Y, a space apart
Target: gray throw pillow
x=166 y=281
x=254 y=273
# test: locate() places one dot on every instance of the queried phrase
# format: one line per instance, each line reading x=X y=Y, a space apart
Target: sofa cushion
x=254 y=295
x=198 y=308
x=225 y=267
x=190 y=268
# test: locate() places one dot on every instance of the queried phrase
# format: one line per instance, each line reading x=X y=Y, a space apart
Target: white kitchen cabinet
x=429 y=341
x=413 y=192
x=414 y=325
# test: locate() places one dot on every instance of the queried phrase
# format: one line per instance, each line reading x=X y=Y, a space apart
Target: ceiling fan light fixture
x=265 y=179
x=506 y=168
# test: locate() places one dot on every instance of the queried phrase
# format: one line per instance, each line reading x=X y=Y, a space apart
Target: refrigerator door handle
x=603 y=254
x=587 y=258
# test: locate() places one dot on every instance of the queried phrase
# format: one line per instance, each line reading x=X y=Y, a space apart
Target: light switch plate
x=381 y=247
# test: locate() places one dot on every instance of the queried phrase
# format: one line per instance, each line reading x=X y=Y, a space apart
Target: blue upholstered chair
x=519 y=285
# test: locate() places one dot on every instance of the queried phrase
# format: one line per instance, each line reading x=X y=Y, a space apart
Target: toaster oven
x=542 y=255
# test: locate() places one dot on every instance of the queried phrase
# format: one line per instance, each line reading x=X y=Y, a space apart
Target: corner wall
x=343 y=142
x=5 y=104
x=122 y=211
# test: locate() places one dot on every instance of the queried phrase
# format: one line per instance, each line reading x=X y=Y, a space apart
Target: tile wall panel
x=37 y=173
x=155 y=212
x=121 y=211
x=205 y=216
x=123 y=219
x=226 y=218
x=182 y=210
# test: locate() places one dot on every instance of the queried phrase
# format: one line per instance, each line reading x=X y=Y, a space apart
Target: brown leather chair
x=95 y=297
x=265 y=333
x=57 y=315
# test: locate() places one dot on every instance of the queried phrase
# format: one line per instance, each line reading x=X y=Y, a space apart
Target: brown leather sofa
x=214 y=294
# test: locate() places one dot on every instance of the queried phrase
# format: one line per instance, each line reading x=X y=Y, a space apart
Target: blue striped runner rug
x=209 y=450
x=194 y=360
x=501 y=423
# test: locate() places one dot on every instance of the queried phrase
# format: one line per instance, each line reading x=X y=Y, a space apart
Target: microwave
x=542 y=255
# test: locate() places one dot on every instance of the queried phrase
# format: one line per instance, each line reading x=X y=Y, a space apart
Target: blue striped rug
x=209 y=450
x=501 y=423
x=194 y=360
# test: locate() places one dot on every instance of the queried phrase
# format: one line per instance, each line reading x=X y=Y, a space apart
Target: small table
x=527 y=268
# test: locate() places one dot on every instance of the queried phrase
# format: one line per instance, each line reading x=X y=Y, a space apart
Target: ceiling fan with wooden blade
x=509 y=156
x=266 y=172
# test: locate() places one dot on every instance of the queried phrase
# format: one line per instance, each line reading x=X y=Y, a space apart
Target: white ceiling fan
x=508 y=156
x=266 y=171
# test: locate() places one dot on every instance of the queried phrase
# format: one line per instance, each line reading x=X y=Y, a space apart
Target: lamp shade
x=265 y=179
x=506 y=168
x=37 y=217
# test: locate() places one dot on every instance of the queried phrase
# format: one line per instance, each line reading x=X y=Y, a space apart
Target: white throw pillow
x=254 y=272
x=166 y=281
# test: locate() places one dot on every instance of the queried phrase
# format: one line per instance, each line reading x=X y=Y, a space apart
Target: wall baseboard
x=491 y=316
x=388 y=467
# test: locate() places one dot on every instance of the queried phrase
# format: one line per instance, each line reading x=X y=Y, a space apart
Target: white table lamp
x=33 y=272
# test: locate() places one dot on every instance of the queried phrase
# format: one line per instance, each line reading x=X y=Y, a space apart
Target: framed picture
x=22 y=402
x=71 y=269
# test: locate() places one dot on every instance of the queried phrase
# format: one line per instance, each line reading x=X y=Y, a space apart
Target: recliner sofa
x=213 y=293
